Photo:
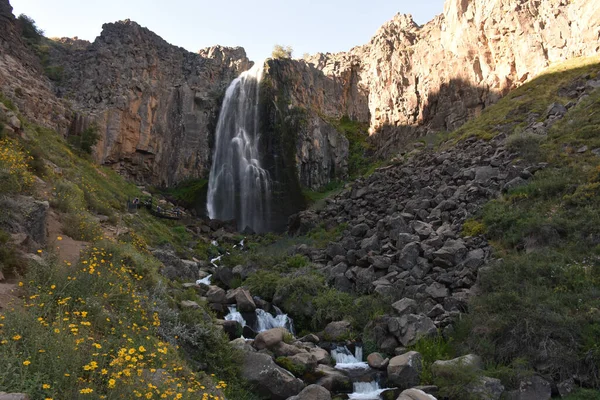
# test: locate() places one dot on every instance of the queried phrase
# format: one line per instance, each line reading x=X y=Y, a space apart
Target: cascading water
x=264 y=320
x=344 y=359
x=366 y=391
x=238 y=187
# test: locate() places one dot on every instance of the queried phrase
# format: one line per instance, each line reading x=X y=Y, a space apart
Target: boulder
x=244 y=301
x=408 y=256
x=415 y=394
x=437 y=291
x=405 y=306
x=404 y=371
x=232 y=328
x=216 y=295
x=533 y=388
x=13 y=396
x=269 y=338
x=268 y=378
x=333 y=379
x=359 y=230
x=486 y=388
x=312 y=392
x=446 y=368
x=423 y=229
x=452 y=252
x=415 y=327
x=189 y=304
x=376 y=361
x=370 y=243
x=337 y=331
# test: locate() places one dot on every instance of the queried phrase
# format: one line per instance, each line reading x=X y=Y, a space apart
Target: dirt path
x=66 y=248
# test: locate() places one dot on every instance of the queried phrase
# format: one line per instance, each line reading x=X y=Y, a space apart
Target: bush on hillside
x=280 y=52
x=29 y=29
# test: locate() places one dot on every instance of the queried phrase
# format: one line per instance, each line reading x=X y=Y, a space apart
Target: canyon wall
x=154 y=104
x=435 y=77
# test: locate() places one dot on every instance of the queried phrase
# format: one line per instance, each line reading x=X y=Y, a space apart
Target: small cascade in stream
x=344 y=359
x=366 y=391
x=204 y=281
x=239 y=187
x=263 y=320
x=234 y=315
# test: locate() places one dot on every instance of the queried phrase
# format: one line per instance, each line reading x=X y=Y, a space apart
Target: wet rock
x=333 y=379
x=269 y=338
x=376 y=361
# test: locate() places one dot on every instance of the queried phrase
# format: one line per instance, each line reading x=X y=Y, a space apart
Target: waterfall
x=205 y=281
x=234 y=315
x=238 y=187
x=264 y=320
x=344 y=359
x=365 y=391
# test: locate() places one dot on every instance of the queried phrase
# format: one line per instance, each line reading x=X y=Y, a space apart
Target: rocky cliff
x=22 y=78
x=155 y=104
x=435 y=77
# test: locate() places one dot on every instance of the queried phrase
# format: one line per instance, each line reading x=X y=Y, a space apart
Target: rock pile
x=403 y=238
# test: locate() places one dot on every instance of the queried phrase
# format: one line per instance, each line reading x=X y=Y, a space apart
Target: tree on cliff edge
x=280 y=51
x=29 y=29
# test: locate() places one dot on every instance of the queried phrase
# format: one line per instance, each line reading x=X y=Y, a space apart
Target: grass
x=539 y=302
x=109 y=329
x=532 y=98
x=121 y=333
x=359 y=150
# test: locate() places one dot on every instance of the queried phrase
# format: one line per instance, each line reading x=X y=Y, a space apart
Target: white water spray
x=238 y=187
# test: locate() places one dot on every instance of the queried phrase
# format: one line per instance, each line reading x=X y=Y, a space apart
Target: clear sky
x=308 y=26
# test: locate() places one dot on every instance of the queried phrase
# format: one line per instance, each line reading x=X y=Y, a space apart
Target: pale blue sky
x=308 y=26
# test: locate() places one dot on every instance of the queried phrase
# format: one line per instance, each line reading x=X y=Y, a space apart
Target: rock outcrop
x=22 y=77
x=436 y=76
x=155 y=104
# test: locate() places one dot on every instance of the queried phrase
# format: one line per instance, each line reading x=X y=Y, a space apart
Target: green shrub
x=297 y=369
x=527 y=145
x=68 y=197
x=432 y=349
x=11 y=262
x=29 y=29
x=473 y=227
x=80 y=225
x=86 y=140
x=15 y=176
x=263 y=284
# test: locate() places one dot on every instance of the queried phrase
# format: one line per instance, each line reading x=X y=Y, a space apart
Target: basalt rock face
x=437 y=76
x=22 y=78
x=304 y=105
x=155 y=104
